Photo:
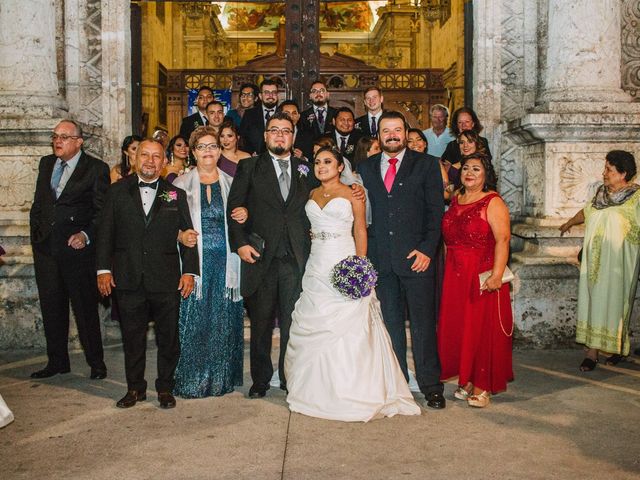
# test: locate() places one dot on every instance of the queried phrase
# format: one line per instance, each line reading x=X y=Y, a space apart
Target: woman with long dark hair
x=127 y=159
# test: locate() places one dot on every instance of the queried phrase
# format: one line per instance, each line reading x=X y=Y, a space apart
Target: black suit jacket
x=189 y=124
x=256 y=188
x=252 y=130
x=408 y=217
x=350 y=148
x=54 y=221
x=304 y=141
x=364 y=126
x=309 y=122
x=142 y=250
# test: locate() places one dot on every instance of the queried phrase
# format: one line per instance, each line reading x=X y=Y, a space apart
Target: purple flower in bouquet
x=354 y=277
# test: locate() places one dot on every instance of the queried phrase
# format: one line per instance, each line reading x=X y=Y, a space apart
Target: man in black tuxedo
x=274 y=187
x=319 y=118
x=255 y=119
x=405 y=191
x=69 y=193
x=345 y=136
x=368 y=123
x=198 y=119
x=138 y=256
x=302 y=139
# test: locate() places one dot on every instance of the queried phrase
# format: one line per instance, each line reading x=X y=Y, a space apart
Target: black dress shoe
x=283 y=386
x=48 y=371
x=166 y=400
x=435 y=400
x=131 y=398
x=258 y=390
x=98 y=374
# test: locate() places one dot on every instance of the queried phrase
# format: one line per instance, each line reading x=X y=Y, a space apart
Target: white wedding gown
x=6 y=417
x=340 y=364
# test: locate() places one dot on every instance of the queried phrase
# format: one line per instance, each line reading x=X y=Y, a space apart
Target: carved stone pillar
x=28 y=80
x=583 y=52
x=580 y=114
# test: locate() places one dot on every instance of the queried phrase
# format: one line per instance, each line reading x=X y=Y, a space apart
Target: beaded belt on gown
x=325 y=235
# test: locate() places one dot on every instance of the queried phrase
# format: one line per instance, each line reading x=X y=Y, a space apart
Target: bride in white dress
x=340 y=364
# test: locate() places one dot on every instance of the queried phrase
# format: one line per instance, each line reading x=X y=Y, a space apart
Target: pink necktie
x=390 y=176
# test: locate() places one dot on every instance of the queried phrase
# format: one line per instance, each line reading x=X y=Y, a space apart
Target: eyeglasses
x=63 y=137
x=279 y=131
x=268 y=93
x=318 y=90
x=247 y=94
x=201 y=147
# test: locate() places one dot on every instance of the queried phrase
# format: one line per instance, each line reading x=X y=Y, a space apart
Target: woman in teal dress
x=609 y=268
x=211 y=321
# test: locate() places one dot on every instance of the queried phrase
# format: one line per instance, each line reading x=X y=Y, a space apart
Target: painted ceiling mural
x=339 y=16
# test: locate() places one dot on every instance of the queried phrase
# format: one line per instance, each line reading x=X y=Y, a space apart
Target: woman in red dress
x=476 y=322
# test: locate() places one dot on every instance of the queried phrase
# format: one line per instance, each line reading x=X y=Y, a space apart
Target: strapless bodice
x=335 y=217
x=331 y=233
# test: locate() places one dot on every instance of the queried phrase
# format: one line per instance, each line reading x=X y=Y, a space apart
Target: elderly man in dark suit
x=405 y=191
x=274 y=188
x=139 y=257
x=69 y=193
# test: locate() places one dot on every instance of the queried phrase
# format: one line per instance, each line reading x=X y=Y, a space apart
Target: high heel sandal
x=480 y=400
x=461 y=393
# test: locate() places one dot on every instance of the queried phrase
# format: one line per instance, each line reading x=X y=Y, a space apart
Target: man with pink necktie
x=405 y=191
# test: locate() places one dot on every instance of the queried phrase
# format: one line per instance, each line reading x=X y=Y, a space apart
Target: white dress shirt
x=384 y=162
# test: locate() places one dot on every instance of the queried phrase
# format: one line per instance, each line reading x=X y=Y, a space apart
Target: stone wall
x=548 y=89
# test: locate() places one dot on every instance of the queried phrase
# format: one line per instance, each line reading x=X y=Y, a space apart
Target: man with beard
x=405 y=191
x=346 y=137
x=138 y=257
x=274 y=188
x=368 y=123
x=255 y=119
x=198 y=119
x=318 y=119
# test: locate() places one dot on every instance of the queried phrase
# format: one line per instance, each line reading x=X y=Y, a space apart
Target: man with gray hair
x=69 y=194
x=439 y=135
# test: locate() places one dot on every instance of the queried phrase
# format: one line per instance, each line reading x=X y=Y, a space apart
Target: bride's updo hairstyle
x=335 y=153
x=490 y=177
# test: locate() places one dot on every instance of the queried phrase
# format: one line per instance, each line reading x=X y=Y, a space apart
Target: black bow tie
x=153 y=185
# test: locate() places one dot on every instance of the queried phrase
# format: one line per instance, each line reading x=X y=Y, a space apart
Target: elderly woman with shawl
x=211 y=321
x=609 y=268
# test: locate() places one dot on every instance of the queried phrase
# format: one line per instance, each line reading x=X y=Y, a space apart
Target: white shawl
x=190 y=182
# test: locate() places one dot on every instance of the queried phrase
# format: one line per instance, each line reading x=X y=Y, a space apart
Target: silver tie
x=283 y=178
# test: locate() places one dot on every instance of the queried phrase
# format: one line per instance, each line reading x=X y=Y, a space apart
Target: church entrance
x=397 y=45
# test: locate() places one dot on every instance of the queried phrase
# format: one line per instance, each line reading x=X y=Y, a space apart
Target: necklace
x=326 y=195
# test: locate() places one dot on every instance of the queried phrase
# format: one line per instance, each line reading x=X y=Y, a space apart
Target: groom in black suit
x=405 y=191
x=274 y=187
x=138 y=255
x=68 y=197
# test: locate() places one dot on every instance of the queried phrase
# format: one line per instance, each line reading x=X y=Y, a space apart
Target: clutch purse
x=257 y=242
x=507 y=276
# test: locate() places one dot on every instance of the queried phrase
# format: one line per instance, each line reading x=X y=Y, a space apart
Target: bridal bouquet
x=354 y=277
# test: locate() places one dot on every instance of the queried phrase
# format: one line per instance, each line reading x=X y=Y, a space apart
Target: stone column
x=28 y=70
x=583 y=52
x=580 y=113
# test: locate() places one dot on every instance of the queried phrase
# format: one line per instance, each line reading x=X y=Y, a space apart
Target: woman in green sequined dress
x=211 y=321
x=609 y=268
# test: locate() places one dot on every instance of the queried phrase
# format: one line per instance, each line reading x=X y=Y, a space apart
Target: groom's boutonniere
x=303 y=169
x=169 y=196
